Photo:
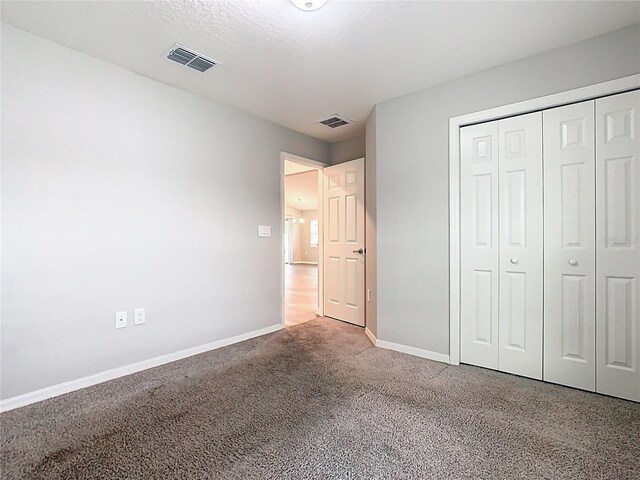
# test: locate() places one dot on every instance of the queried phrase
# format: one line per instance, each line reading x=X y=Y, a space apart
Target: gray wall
x=121 y=192
x=371 y=236
x=347 y=150
x=411 y=142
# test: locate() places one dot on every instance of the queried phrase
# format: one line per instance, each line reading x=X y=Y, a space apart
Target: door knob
x=573 y=262
x=360 y=251
x=514 y=260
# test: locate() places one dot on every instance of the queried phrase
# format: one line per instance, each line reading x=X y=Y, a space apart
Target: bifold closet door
x=479 y=245
x=618 y=245
x=569 y=246
x=501 y=274
x=520 y=245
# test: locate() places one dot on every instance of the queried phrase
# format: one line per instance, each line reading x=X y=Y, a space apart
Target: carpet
x=318 y=401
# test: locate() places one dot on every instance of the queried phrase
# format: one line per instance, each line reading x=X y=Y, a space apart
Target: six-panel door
x=590 y=292
x=479 y=248
x=344 y=293
x=569 y=246
x=520 y=259
x=618 y=245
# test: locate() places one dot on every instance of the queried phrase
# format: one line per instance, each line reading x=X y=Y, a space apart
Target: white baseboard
x=418 y=352
x=66 y=387
x=305 y=263
x=371 y=336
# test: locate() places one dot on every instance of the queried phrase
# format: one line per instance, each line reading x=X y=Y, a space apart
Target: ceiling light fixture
x=309 y=5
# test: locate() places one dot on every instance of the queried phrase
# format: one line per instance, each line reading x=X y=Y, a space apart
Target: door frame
x=581 y=94
x=320 y=166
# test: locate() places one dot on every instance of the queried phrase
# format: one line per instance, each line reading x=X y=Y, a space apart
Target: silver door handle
x=573 y=262
x=514 y=260
x=360 y=251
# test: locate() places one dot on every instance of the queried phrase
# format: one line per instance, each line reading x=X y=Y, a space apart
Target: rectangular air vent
x=181 y=55
x=191 y=59
x=201 y=64
x=335 y=121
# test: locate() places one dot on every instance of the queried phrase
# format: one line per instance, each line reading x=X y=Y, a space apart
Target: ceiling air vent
x=335 y=121
x=192 y=59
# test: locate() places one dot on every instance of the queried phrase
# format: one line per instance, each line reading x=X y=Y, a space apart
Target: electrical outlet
x=138 y=317
x=121 y=319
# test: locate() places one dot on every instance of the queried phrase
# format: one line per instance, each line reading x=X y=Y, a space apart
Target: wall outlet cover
x=138 y=316
x=264 y=230
x=121 y=319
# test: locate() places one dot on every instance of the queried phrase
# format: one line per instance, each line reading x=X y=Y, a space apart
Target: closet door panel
x=520 y=250
x=569 y=245
x=479 y=245
x=618 y=245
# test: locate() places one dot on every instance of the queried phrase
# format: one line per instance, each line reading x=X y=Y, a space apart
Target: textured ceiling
x=301 y=190
x=294 y=68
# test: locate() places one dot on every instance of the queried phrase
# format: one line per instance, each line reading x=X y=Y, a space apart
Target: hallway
x=300 y=293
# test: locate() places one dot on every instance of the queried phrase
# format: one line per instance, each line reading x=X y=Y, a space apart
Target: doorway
x=302 y=242
x=323 y=235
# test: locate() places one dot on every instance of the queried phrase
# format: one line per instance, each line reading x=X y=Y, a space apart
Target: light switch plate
x=138 y=316
x=121 y=319
x=264 y=230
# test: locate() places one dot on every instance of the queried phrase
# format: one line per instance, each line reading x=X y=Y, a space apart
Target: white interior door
x=618 y=245
x=344 y=243
x=479 y=245
x=569 y=246
x=520 y=259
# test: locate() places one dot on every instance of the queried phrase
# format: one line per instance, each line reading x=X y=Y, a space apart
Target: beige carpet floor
x=317 y=401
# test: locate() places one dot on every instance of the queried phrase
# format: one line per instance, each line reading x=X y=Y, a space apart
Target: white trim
x=454 y=242
x=571 y=96
x=371 y=336
x=302 y=160
x=417 y=352
x=305 y=263
x=319 y=165
x=67 y=387
x=320 y=305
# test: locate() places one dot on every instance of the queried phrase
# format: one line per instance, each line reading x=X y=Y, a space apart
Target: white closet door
x=618 y=249
x=569 y=246
x=479 y=245
x=520 y=258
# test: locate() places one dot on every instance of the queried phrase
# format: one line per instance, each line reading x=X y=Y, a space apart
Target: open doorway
x=302 y=239
x=323 y=240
